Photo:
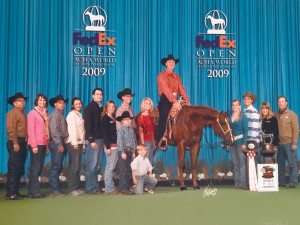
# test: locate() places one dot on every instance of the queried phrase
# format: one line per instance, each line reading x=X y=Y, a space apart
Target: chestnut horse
x=188 y=133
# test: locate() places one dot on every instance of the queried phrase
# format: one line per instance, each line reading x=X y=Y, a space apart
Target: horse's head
x=87 y=13
x=222 y=128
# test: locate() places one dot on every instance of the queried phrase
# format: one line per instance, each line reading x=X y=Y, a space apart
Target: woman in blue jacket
x=239 y=126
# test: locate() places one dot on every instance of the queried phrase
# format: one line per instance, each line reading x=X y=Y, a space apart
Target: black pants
x=35 y=169
x=164 y=107
x=15 y=166
x=125 y=171
x=75 y=156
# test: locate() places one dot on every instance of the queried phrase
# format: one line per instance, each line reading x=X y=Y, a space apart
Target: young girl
x=239 y=126
x=145 y=127
x=108 y=124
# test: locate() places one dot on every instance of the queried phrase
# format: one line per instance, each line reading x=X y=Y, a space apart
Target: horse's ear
x=222 y=111
x=227 y=112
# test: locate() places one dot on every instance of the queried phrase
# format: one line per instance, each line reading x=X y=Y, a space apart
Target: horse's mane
x=201 y=107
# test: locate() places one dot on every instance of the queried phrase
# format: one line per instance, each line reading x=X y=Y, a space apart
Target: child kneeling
x=140 y=167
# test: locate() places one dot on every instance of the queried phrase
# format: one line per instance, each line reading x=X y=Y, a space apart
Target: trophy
x=267 y=148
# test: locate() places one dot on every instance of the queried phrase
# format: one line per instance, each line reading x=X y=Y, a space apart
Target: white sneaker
x=77 y=193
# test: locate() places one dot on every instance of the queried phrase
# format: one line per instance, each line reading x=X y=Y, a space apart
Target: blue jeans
x=144 y=181
x=94 y=157
x=57 y=159
x=285 y=152
x=239 y=165
x=150 y=150
x=111 y=162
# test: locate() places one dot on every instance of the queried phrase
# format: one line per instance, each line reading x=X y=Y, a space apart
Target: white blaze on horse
x=214 y=21
x=93 y=18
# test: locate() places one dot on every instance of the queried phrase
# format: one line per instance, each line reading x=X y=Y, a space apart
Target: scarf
x=43 y=114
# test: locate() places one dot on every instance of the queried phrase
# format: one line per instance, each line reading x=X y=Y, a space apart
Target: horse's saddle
x=172 y=120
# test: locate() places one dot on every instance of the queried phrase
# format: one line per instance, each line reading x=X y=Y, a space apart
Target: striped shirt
x=253 y=123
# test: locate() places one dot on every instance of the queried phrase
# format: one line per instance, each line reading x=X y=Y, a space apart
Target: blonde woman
x=239 y=126
x=269 y=123
x=145 y=127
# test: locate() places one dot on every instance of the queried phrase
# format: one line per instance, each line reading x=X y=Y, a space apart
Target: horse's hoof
x=183 y=188
x=196 y=187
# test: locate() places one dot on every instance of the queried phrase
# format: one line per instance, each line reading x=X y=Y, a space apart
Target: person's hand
x=177 y=106
x=150 y=175
x=76 y=147
x=135 y=181
x=16 y=147
x=108 y=151
x=60 y=149
x=275 y=148
x=243 y=147
x=94 y=145
x=83 y=149
x=133 y=156
x=227 y=147
x=294 y=147
x=35 y=150
x=47 y=150
x=124 y=156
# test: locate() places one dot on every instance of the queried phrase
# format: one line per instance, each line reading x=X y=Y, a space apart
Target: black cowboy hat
x=124 y=115
x=11 y=99
x=126 y=91
x=164 y=60
x=249 y=94
x=52 y=101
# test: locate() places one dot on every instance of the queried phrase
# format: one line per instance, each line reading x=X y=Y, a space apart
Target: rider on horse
x=169 y=86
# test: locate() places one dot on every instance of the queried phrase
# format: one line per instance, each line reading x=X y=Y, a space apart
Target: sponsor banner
x=94 y=47
x=216 y=50
x=267 y=177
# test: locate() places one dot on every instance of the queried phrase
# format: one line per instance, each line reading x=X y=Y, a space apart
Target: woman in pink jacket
x=38 y=140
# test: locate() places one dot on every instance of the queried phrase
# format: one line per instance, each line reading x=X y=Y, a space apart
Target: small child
x=126 y=146
x=140 y=167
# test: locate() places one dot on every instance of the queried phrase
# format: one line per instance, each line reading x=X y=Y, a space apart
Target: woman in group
x=145 y=127
x=76 y=146
x=269 y=123
x=38 y=140
x=239 y=126
x=108 y=124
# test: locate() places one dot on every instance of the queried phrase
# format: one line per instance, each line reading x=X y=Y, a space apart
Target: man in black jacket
x=93 y=134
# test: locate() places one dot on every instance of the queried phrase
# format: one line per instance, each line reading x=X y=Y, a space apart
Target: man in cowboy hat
x=95 y=142
x=169 y=86
x=253 y=120
x=288 y=139
x=16 y=129
x=58 y=134
x=126 y=96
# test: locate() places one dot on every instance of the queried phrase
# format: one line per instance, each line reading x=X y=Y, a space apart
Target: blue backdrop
x=36 y=54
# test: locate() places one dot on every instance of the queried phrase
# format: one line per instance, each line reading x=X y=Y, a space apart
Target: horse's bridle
x=228 y=126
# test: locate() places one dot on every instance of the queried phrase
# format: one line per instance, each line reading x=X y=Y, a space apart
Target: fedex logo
x=98 y=39
x=219 y=42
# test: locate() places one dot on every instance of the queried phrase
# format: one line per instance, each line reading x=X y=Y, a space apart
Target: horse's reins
x=215 y=145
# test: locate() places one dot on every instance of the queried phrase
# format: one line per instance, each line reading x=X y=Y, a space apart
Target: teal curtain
x=36 y=54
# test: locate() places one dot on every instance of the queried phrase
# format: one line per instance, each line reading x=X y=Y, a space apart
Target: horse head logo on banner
x=215 y=22
x=94 y=18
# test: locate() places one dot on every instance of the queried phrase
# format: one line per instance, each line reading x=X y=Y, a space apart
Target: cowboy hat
x=11 y=99
x=164 y=60
x=52 y=101
x=249 y=94
x=126 y=91
x=124 y=115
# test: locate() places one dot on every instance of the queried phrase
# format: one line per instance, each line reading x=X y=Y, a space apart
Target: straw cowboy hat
x=124 y=115
x=52 y=101
x=126 y=91
x=164 y=60
x=11 y=99
x=249 y=94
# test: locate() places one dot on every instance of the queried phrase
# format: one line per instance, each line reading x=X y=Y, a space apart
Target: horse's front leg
x=194 y=152
x=180 y=153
